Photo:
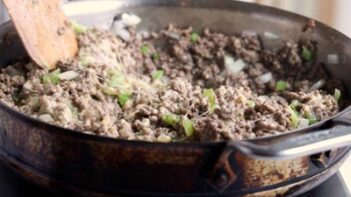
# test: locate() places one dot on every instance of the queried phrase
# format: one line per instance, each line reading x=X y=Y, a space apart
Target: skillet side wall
x=109 y=166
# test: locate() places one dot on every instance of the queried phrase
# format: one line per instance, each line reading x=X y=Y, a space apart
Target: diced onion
x=333 y=59
x=232 y=65
x=271 y=35
x=337 y=94
x=130 y=20
x=303 y=123
x=263 y=98
x=164 y=138
x=69 y=75
x=123 y=34
x=265 y=78
x=46 y=118
x=319 y=84
x=28 y=85
x=249 y=33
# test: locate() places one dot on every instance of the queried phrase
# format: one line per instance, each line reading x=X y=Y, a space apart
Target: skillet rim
x=209 y=4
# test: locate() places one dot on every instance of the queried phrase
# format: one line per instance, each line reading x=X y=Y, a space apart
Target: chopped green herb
x=171 y=119
x=294 y=104
x=78 y=28
x=123 y=98
x=294 y=117
x=116 y=81
x=281 y=85
x=157 y=75
x=311 y=118
x=52 y=77
x=155 y=56
x=210 y=94
x=337 y=94
x=307 y=54
x=144 y=49
x=194 y=37
x=188 y=127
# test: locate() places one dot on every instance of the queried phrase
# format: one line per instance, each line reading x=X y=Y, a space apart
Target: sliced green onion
x=307 y=54
x=123 y=98
x=210 y=94
x=144 y=49
x=337 y=94
x=116 y=81
x=171 y=119
x=155 y=56
x=78 y=28
x=52 y=77
x=188 y=127
x=157 y=75
x=281 y=85
x=194 y=37
x=294 y=104
x=294 y=117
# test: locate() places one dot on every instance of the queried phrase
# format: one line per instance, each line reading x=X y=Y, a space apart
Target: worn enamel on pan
x=65 y=160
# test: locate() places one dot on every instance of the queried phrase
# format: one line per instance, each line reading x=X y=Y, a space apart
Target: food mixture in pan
x=176 y=85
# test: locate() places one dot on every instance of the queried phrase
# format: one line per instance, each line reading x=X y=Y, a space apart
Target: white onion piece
x=28 y=85
x=69 y=75
x=263 y=98
x=317 y=85
x=232 y=65
x=333 y=59
x=270 y=35
x=249 y=33
x=46 y=118
x=265 y=78
x=123 y=34
x=303 y=123
x=130 y=20
x=117 y=25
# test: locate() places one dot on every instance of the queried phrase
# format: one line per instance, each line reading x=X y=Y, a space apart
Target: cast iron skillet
x=63 y=159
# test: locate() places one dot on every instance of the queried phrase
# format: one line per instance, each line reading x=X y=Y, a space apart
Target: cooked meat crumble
x=176 y=85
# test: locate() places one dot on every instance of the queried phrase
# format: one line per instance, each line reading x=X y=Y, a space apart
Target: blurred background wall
x=336 y=13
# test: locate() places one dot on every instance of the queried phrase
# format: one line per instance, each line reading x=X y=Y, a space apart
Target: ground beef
x=111 y=88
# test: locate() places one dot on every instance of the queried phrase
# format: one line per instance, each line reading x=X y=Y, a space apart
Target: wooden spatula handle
x=44 y=30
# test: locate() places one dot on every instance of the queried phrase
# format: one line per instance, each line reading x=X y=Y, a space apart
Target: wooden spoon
x=44 y=30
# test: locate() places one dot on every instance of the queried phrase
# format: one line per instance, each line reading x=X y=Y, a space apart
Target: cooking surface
x=13 y=186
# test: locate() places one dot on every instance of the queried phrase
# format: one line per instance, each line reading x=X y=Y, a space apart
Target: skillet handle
x=300 y=145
